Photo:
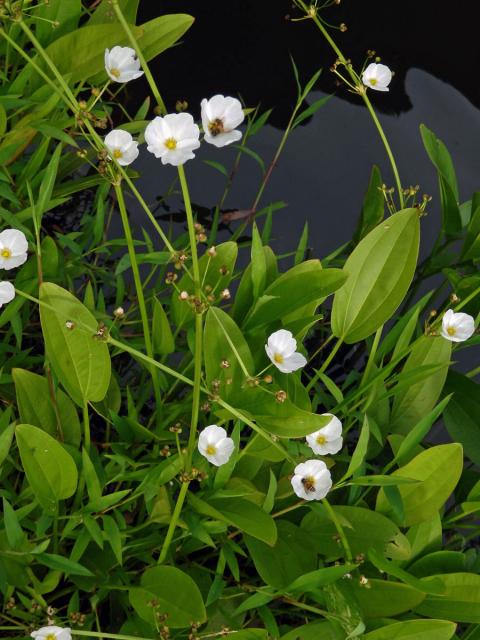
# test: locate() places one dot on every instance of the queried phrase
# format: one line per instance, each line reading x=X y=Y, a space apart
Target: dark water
x=242 y=47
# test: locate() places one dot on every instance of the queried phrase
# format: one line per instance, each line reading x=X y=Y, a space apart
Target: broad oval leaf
x=80 y=360
x=414 y=401
x=175 y=592
x=36 y=407
x=50 y=470
x=414 y=630
x=380 y=269
x=438 y=470
x=460 y=602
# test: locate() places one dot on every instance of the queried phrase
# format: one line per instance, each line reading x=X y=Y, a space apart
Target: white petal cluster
x=122 y=64
x=7 y=292
x=328 y=439
x=281 y=349
x=121 y=147
x=312 y=480
x=173 y=138
x=377 y=76
x=13 y=249
x=215 y=445
x=220 y=118
x=457 y=327
x=52 y=633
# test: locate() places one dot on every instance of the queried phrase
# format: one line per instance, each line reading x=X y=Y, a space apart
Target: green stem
x=371 y=357
x=139 y=291
x=327 y=361
x=362 y=92
x=86 y=427
x=143 y=62
x=340 y=531
x=197 y=375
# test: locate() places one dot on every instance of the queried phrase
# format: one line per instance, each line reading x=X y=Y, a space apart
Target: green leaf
x=438 y=469
x=80 y=360
x=224 y=343
x=438 y=154
x=94 y=488
x=319 y=578
x=460 y=601
x=105 y=14
x=58 y=563
x=414 y=401
x=163 y=342
x=310 y=110
x=431 y=586
x=304 y=283
x=291 y=557
x=259 y=265
x=314 y=631
x=65 y=14
x=414 y=630
x=244 y=297
x=6 y=437
x=380 y=481
x=364 y=529
x=385 y=599
x=175 y=592
x=50 y=470
x=13 y=530
x=358 y=456
x=113 y=535
x=240 y=513
x=462 y=413
x=36 y=407
x=373 y=205
x=419 y=431
x=380 y=271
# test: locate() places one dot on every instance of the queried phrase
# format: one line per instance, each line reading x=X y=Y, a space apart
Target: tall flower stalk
x=358 y=86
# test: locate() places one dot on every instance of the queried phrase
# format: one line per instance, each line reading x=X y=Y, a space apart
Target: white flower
x=456 y=327
x=220 y=117
x=122 y=64
x=7 y=292
x=312 y=480
x=328 y=439
x=173 y=138
x=214 y=444
x=121 y=146
x=13 y=248
x=280 y=348
x=377 y=76
x=52 y=633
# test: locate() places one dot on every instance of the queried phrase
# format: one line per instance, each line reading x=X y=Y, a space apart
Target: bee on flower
x=312 y=480
x=220 y=118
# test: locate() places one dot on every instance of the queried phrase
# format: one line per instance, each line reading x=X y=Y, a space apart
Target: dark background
x=243 y=48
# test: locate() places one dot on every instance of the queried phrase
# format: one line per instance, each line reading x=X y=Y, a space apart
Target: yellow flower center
x=6 y=253
x=117 y=154
x=321 y=439
x=51 y=636
x=451 y=331
x=216 y=126
x=278 y=358
x=171 y=144
x=373 y=81
x=116 y=74
x=211 y=450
